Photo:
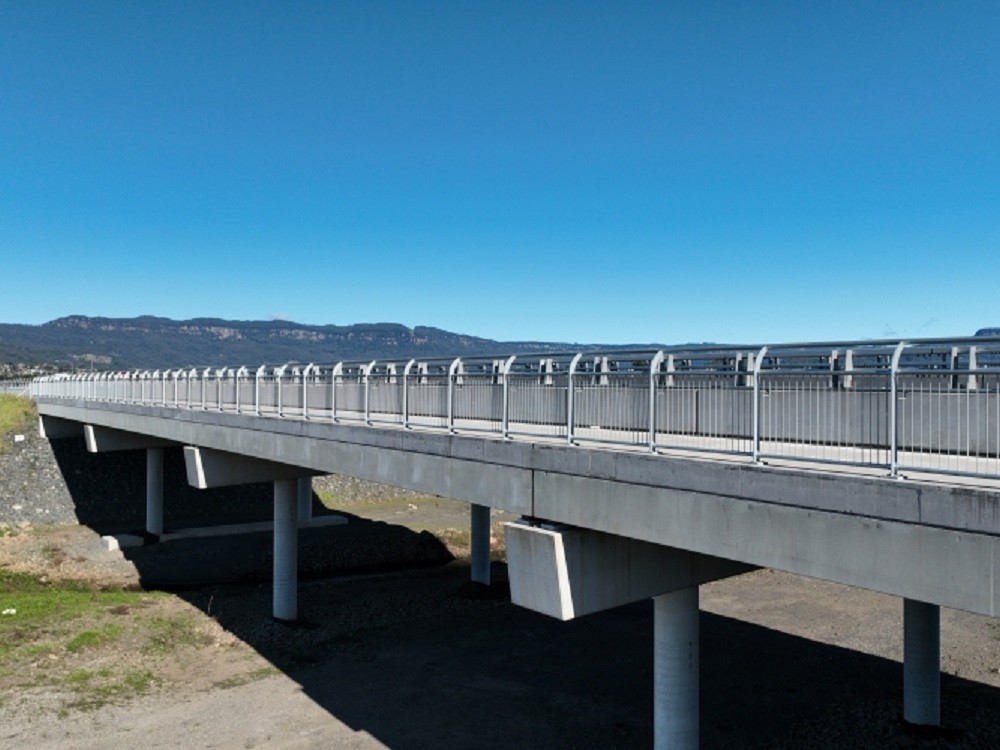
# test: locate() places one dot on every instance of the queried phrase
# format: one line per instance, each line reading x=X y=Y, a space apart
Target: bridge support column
x=567 y=573
x=675 y=670
x=480 y=543
x=285 y=602
x=921 y=663
x=210 y=468
x=154 y=491
x=305 y=494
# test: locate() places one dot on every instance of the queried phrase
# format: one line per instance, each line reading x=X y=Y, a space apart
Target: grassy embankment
x=87 y=647
x=17 y=414
x=92 y=645
x=66 y=634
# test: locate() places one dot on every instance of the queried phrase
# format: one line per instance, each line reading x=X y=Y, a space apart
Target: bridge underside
x=929 y=542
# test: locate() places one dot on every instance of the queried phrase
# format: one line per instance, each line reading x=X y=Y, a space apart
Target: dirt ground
x=414 y=657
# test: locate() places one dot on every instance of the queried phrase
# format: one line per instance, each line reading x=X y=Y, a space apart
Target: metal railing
x=16 y=386
x=927 y=405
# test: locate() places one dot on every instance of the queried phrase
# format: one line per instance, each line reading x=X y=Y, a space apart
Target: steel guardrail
x=928 y=405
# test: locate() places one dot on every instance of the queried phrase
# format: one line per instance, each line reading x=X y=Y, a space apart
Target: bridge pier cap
x=569 y=572
x=212 y=468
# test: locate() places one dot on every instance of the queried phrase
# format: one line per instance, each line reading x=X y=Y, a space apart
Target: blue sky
x=592 y=172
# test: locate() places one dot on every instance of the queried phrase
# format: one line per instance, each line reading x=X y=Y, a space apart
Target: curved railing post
x=406 y=392
x=366 y=377
x=220 y=382
x=192 y=378
x=893 y=420
x=654 y=369
x=279 y=373
x=176 y=376
x=569 y=397
x=257 y=376
x=336 y=372
x=505 y=416
x=305 y=390
x=756 y=403
x=204 y=388
x=241 y=372
x=452 y=377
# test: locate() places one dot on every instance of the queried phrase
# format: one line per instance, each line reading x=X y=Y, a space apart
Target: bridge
x=636 y=474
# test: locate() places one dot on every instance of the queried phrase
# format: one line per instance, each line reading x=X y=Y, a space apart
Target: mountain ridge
x=150 y=341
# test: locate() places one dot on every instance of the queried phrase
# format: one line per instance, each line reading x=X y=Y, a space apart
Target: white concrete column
x=675 y=670
x=305 y=490
x=921 y=663
x=479 y=541
x=154 y=491
x=285 y=549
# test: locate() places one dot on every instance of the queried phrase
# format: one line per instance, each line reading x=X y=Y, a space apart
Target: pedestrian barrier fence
x=926 y=405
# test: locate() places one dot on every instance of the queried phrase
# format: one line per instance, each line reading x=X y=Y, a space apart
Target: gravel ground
x=32 y=488
x=418 y=658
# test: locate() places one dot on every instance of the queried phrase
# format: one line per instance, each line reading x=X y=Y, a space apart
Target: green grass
x=97 y=689
x=79 y=677
x=44 y=608
x=164 y=634
x=246 y=678
x=16 y=415
x=92 y=638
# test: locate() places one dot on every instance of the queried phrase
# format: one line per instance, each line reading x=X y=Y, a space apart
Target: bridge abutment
x=921 y=663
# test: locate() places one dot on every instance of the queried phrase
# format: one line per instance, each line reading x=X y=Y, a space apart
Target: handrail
x=931 y=404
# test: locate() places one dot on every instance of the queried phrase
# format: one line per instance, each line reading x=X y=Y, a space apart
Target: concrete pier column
x=285 y=549
x=154 y=491
x=921 y=663
x=480 y=543
x=675 y=670
x=305 y=490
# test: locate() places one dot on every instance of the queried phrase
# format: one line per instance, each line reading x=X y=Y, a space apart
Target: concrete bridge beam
x=921 y=663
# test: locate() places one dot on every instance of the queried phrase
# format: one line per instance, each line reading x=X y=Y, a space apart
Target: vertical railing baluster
x=756 y=403
x=893 y=426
